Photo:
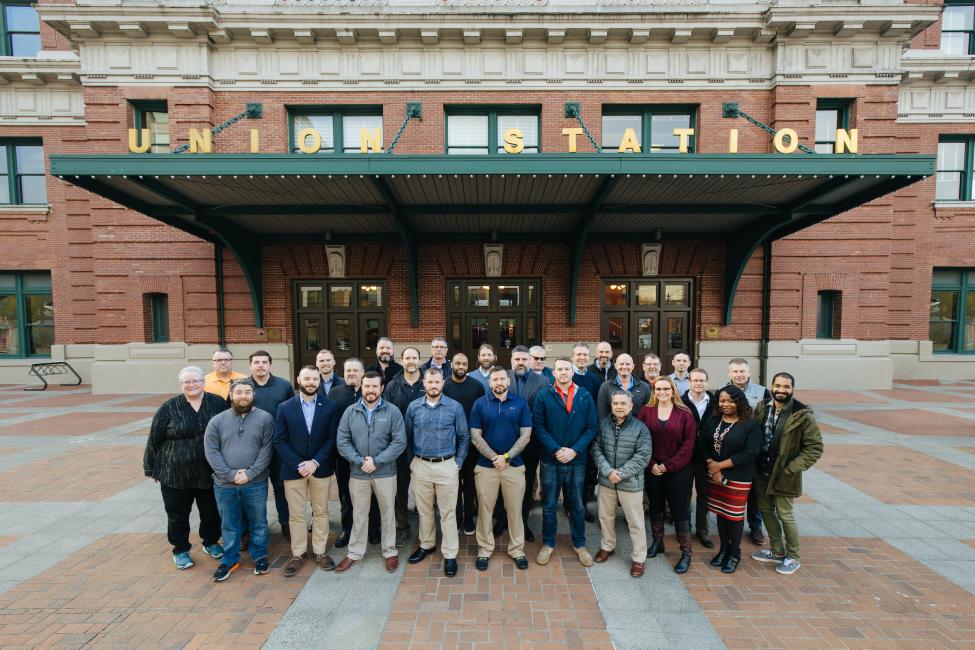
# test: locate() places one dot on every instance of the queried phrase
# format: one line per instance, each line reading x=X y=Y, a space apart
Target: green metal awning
x=244 y=200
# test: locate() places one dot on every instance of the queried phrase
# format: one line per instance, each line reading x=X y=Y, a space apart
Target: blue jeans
x=235 y=503
x=567 y=479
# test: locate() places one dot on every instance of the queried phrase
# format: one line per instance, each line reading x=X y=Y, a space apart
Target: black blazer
x=295 y=444
x=700 y=420
x=534 y=384
x=741 y=445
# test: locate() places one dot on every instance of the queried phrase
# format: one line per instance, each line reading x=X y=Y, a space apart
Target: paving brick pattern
x=93 y=475
x=70 y=424
x=915 y=422
x=849 y=593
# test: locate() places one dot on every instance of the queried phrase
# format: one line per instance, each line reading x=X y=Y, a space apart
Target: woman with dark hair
x=731 y=440
x=673 y=432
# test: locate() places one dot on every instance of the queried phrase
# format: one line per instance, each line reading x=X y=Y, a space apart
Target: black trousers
x=701 y=523
x=729 y=532
x=752 y=513
x=403 y=475
x=179 y=503
x=530 y=456
x=468 y=490
x=673 y=489
x=342 y=475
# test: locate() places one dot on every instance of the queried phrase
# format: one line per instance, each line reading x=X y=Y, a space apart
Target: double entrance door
x=503 y=313
x=346 y=317
x=643 y=316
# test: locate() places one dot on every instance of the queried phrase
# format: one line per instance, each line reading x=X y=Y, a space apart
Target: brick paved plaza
x=888 y=553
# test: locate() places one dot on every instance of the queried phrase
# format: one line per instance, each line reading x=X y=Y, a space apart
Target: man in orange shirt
x=218 y=381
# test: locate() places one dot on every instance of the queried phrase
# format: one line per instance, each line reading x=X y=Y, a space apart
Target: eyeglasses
x=663 y=388
x=539 y=358
x=222 y=360
x=191 y=382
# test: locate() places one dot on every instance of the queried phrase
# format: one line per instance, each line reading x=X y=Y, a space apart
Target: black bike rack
x=51 y=369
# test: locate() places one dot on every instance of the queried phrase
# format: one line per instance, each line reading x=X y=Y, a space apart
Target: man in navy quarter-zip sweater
x=564 y=420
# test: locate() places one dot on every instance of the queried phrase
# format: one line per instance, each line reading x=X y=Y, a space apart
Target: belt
x=434 y=459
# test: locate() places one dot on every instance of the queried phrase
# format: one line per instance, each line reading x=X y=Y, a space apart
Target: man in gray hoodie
x=237 y=444
x=371 y=437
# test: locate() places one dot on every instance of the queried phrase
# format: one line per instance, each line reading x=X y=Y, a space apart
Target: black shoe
x=731 y=563
x=718 y=560
x=261 y=567
x=521 y=562
x=656 y=548
x=450 y=568
x=343 y=539
x=529 y=537
x=469 y=528
x=500 y=526
x=481 y=564
x=589 y=516
x=286 y=531
x=420 y=554
x=706 y=541
x=757 y=536
x=374 y=537
x=683 y=564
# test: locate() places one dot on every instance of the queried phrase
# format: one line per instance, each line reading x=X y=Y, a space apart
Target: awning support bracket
x=580 y=239
x=408 y=238
x=253 y=111
x=572 y=110
x=731 y=110
x=413 y=110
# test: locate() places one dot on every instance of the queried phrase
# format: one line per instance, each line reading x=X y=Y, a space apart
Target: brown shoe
x=345 y=564
x=325 y=563
x=636 y=570
x=392 y=563
x=294 y=565
x=603 y=555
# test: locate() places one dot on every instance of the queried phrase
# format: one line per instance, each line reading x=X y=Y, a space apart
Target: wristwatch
x=506 y=456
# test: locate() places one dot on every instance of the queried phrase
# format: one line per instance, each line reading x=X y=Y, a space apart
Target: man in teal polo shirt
x=501 y=427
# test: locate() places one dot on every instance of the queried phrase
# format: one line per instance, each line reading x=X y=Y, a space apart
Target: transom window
x=22 y=179
x=958 y=28
x=831 y=114
x=340 y=129
x=153 y=115
x=954 y=178
x=21 y=29
x=952 y=324
x=653 y=127
x=481 y=130
x=26 y=314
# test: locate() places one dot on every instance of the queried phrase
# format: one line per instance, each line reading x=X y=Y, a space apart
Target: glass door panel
x=615 y=328
x=370 y=329
x=646 y=334
x=340 y=337
x=479 y=332
x=508 y=334
x=309 y=339
x=676 y=334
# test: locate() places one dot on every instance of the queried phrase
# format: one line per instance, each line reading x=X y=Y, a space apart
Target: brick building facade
x=783 y=63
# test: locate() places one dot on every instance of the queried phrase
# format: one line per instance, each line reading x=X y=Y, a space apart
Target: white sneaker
x=788 y=566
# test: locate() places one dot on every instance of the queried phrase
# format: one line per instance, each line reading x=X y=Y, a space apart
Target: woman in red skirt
x=732 y=440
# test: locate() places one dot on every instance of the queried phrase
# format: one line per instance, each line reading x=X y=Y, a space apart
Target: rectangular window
x=22 y=178
x=481 y=130
x=157 y=308
x=336 y=129
x=26 y=314
x=831 y=114
x=952 y=324
x=954 y=171
x=828 y=311
x=957 y=25
x=653 y=127
x=153 y=115
x=21 y=30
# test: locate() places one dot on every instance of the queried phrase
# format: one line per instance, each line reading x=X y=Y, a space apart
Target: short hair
x=432 y=372
x=260 y=353
x=738 y=361
x=220 y=350
x=241 y=382
x=566 y=359
x=372 y=374
x=680 y=353
x=460 y=354
x=407 y=348
x=622 y=393
x=441 y=339
x=303 y=368
x=650 y=356
x=580 y=344
x=325 y=351
x=384 y=339
x=520 y=348
x=786 y=375
x=495 y=369
x=536 y=350
x=353 y=360
x=488 y=346
x=701 y=371
x=194 y=370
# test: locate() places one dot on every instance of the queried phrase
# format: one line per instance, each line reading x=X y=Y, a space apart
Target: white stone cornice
x=133 y=29
x=889 y=20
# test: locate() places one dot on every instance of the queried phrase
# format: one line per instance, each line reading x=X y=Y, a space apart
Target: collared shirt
x=701 y=406
x=481 y=377
x=501 y=422
x=437 y=430
x=567 y=396
x=308 y=411
x=327 y=385
x=214 y=384
x=370 y=411
x=683 y=385
x=628 y=387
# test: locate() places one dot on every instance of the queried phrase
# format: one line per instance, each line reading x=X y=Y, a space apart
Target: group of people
x=470 y=444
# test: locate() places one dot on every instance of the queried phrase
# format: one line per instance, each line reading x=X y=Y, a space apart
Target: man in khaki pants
x=304 y=437
x=501 y=427
x=436 y=432
x=371 y=437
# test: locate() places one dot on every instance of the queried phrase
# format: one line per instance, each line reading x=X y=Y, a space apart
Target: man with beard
x=603 y=366
x=328 y=379
x=438 y=356
x=345 y=396
x=385 y=363
x=237 y=444
x=304 y=437
x=501 y=428
x=402 y=389
x=466 y=391
x=485 y=361
x=371 y=436
x=792 y=444
x=740 y=375
x=437 y=435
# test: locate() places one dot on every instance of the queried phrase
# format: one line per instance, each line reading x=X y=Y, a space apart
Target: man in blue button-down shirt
x=437 y=436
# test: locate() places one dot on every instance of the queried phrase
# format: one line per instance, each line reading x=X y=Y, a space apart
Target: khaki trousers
x=298 y=492
x=632 y=504
x=361 y=491
x=511 y=483
x=437 y=483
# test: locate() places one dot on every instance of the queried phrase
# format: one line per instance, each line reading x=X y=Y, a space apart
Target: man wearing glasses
x=218 y=381
x=538 y=366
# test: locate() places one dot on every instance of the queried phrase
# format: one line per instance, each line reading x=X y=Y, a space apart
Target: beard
x=308 y=390
x=385 y=358
x=459 y=374
x=242 y=408
x=519 y=372
x=781 y=397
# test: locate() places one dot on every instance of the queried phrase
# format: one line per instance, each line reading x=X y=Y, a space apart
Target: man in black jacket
x=304 y=437
x=385 y=360
x=701 y=402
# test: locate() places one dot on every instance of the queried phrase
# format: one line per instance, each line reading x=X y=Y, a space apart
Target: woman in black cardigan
x=174 y=458
x=731 y=441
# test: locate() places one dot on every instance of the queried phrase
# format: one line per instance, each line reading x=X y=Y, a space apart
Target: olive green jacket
x=800 y=446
